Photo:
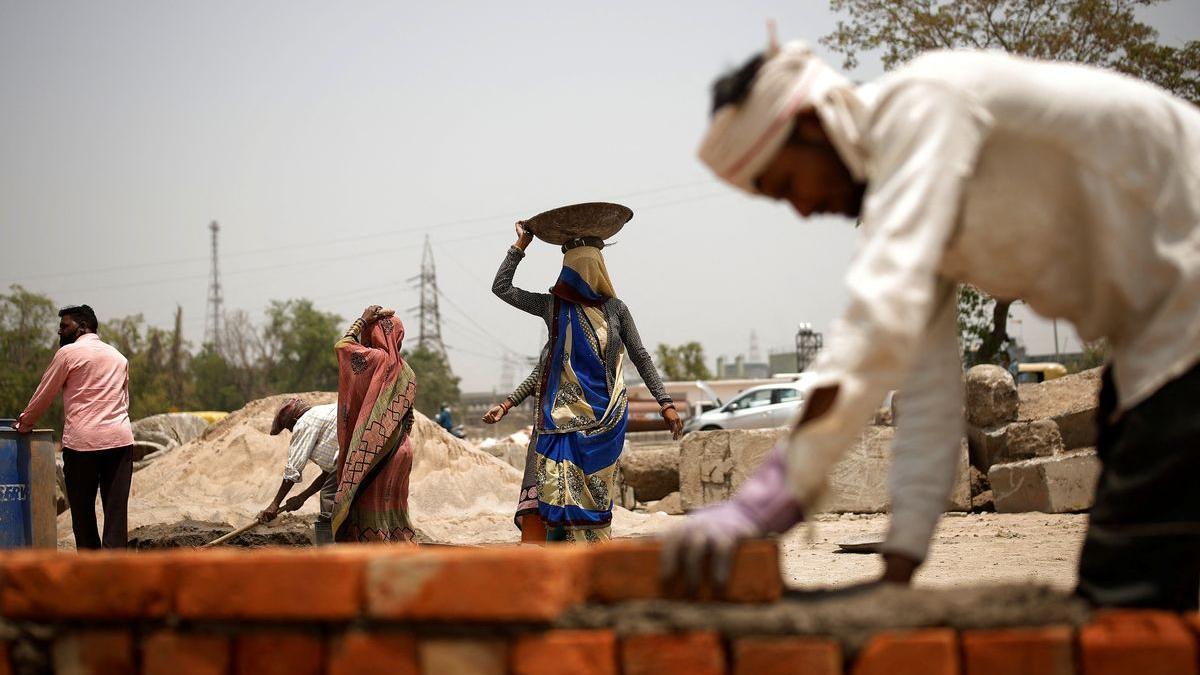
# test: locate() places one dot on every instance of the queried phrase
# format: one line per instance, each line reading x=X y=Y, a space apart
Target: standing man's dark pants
x=110 y=471
x=1143 y=540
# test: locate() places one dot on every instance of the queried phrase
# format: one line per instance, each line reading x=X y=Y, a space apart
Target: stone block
x=670 y=505
x=991 y=396
x=1035 y=438
x=987 y=446
x=1058 y=484
x=713 y=464
x=1069 y=401
x=651 y=470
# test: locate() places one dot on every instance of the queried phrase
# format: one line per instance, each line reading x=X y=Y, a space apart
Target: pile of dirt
x=458 y=494
x=285 y=531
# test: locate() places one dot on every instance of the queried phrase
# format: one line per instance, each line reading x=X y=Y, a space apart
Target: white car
x=761 y=407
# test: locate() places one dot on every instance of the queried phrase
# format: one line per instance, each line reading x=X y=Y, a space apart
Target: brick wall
x=525 y=611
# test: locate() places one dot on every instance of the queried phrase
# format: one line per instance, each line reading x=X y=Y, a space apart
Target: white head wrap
x=743 y=138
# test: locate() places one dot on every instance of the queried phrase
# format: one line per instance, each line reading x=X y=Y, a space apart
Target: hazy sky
x=328 y=139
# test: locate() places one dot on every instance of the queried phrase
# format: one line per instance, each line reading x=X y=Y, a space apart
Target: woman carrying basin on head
x=581 y=402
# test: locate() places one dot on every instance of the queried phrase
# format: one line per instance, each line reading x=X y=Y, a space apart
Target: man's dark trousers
x=110 y=471
x=1143 y=540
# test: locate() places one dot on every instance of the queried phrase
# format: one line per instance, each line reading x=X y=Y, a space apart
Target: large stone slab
x=713 y=464
x=1069 y=401
x=1058 y=484
x=651 y=470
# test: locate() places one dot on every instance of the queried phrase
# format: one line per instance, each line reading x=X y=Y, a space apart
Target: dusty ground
x=969 y=548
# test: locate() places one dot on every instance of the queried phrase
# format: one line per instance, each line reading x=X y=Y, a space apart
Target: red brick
x=578 y=652
x=279 y=652
x=698 y=653
x=376 y=653
x=477 y=584
x=85 y=585
x=629 y=570
x=1139 y=642
x=316 y=584
x=920 y=652
x=1019 y=651
x=170 y=653
x=786 y=656
x=95 y=652
x=463 y=657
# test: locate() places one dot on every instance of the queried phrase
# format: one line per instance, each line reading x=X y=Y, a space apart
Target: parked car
x=764 y=406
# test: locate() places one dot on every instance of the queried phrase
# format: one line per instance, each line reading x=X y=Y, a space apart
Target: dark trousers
x=323 y=533
x=110 y=471
x=1143 y=540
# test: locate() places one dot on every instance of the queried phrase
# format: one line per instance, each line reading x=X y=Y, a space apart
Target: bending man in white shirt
x=1074 y=189
x=314 y=439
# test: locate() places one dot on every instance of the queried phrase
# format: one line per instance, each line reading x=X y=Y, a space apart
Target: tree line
x=289 y=350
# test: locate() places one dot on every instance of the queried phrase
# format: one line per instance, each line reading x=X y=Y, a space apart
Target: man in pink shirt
x=97 y=437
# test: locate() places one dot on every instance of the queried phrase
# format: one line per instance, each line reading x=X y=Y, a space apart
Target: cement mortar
x=850 y=615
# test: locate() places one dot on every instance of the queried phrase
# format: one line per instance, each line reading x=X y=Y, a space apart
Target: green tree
x=299 y=345
x=147 y=350
x=682 y=362
x=1103 y=33
x=214 y=382
x=436 y=383
x=28 y=339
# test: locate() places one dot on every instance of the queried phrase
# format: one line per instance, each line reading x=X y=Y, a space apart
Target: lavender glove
x=763 y=505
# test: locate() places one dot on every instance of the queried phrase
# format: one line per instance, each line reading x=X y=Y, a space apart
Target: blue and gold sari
x=583 y=408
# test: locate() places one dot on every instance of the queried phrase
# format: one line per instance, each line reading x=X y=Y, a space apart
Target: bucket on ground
x=27 y=478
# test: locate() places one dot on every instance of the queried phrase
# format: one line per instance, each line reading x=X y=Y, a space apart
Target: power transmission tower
x=214 y=314
x=430 y=335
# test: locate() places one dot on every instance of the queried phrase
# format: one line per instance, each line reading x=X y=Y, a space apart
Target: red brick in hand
x=787 y=656
x=578 y=652
x=279 y=652
x=360 y=652
x=1137 y=642
x=629 y=570
x=919 y=652
x=697 y=653
x=1019 y=651
x=169 y=653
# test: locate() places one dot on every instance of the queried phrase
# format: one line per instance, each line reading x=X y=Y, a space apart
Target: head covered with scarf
x=744 y=137
x=376 y=390
x=584 y=278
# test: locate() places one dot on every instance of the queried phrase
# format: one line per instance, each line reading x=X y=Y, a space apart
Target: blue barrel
x=26 y=481
x=16 y=522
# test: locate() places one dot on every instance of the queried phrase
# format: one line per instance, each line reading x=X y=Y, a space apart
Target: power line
x=336 y=240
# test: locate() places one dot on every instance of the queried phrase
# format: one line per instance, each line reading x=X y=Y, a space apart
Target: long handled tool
x=226 y=537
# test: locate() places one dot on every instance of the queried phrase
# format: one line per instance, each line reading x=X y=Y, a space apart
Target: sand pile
x=458 y=493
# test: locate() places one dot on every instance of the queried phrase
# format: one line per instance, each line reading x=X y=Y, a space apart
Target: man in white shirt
x=314 y=439
x=1072 y=188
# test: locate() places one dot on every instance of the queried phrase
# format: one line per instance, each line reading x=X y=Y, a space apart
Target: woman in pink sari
x=376 y=389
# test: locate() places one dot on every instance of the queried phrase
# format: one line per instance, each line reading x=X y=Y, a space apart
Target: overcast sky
x=328 y=139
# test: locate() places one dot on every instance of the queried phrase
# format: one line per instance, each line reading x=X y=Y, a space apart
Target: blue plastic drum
x=16 y=520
